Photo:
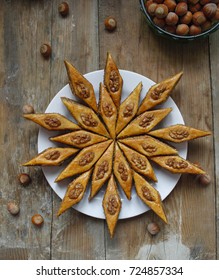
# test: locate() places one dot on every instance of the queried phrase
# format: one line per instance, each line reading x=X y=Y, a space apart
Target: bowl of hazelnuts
x=183 y=20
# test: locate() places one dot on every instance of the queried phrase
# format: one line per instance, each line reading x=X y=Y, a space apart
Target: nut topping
x=107 y=109
x=52 y=155
x=146 y=121
x=80 y=139
x=52 y=121
x=113 y=204
x=157 y=92
x=86 y=159
x=123 y=171
x=76 y=191
x=149 y=148
x=128 y=111
x=88 y=120
x=179 y=133
x=102 y=169
x=83 y=90
x=139 y=162
x=114 y=81
x=147 y=194
x=174 y=163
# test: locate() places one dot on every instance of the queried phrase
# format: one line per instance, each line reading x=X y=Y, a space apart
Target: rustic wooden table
x=27 y=78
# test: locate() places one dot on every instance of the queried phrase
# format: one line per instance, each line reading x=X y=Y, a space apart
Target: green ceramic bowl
x=175 y=37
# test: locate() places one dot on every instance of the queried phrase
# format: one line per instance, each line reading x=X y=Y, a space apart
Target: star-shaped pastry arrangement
x=113 y=143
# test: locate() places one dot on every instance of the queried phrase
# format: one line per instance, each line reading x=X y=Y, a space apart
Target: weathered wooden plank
x=24 y=80
x=75 y=38
x=136 y=48
x=214 y=60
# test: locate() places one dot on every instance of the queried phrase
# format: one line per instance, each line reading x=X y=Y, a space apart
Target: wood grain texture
x=136 y=48
x=72 y=233
x=214 y=64
x=27 y=78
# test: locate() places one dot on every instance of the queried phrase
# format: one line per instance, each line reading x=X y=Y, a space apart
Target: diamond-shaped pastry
x=149 y=195
x=52 y=121
x=128 y=108
x=111 y=205
x=80 y=86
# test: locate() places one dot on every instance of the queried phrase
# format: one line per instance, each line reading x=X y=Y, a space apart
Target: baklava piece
x=159 y=93
x=80 y=86
x=149 y=195
x=111 y=205
x=75 y=192
x=113 y=80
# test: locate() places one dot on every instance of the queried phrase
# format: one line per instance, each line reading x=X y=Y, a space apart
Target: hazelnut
x=204 y=179
x=37 y=220
x=151 y=9
x=195 y=8
x=24 y=179
x=28 y=109
x=171 y=18
x=110 y=23
x=182 y=29
x=158 y=1
x=193 y=2
x=205 y=26
x=153 y=228
x=209 y=10
x=159 y=22
x=170 y=28
x=181 y=8
x=187 y=18
x=199 y=18
x=194 y=30
x=171 y=5
x=203 y=2
x=148 y=3
x=45 y=50
x=216 y=17
x=63 y=9
x=161 y=11
x=13 y=208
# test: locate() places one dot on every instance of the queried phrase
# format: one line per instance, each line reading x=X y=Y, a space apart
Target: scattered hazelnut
x=28 y=109
x=182 y=29
x=45 y=50
x=181 y=8
x=37 y=220
x=110 y=23
x=161 y=11
x=13 y=208
x=204 y=179
x=153 y=228
x=24 y=179
x=63 y=9
x=171 y=18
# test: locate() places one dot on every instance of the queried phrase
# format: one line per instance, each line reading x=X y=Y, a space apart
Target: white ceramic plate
x=166 y=180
